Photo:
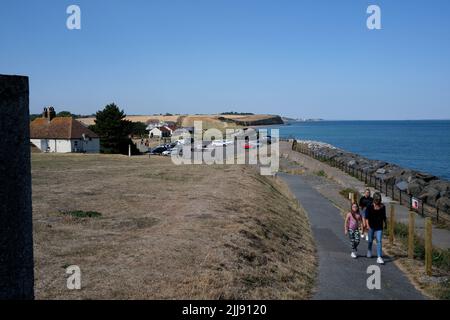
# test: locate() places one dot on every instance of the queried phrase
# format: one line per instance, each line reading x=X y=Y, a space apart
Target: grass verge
x=437 y=285
x=82 y=214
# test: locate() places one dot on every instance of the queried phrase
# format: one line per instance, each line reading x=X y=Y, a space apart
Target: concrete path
x=340 y=276
x=441 y=237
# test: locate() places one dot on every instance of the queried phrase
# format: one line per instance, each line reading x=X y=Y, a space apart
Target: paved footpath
x=441 y=237
x=340 y=276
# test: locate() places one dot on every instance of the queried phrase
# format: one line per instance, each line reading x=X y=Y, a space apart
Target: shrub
x=441 y=257
x=321 y=173
x=82 y=214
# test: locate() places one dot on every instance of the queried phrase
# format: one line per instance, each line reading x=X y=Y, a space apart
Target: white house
x=153 y=123
x=161 y=132
x=62 y=134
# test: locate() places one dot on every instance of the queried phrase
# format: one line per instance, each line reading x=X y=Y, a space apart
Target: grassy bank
x=437 y=286
x=144 y=228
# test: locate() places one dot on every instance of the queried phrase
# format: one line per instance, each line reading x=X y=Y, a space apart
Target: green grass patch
x=321 y=173
x=443 y=292
x=82 y=214
x=440 y=257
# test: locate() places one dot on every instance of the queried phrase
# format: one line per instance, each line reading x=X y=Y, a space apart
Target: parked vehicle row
x=169 y=149
x=165 y=149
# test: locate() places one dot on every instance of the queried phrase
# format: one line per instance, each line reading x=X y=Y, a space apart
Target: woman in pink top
x=353 y=222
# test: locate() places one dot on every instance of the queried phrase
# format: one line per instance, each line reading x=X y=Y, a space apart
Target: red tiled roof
x=59 y=128
x=163 y=129
x=172 y=127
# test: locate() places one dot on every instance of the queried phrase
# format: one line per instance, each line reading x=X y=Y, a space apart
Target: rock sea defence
x=429 y=188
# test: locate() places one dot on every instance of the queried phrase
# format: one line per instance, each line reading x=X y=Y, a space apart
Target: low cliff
x=253 y=120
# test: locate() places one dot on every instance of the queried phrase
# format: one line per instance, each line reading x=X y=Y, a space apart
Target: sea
x=422 y=145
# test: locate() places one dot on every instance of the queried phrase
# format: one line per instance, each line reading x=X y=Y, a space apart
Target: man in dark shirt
x=364 y=203
x=376 y=220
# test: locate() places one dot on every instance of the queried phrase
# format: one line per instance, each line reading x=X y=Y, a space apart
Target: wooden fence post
x=428 y=246
x=411 y=235
x=392 y=225
x=351 y=196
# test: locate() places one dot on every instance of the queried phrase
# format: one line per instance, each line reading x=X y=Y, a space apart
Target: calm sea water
x=421 y=145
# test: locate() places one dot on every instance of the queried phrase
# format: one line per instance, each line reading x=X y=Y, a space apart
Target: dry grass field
x=143 y=118
x=209 y=121
x=166 y=231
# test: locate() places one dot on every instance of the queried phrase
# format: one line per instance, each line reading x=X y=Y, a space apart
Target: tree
x=34 y=116
x=114 y=130
x=139 y=129
x=65 y=114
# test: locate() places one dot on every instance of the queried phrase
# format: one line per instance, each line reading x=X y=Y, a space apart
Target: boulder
x=440 y=185
x=425 y=176
x=402 y=185
x=401 y=177
x=406 y=175
x=430 y=196
x=379 y=164
x=392 y=176
x=381 y=171
x=443 y=204
x=415 y=187
x=445 y=194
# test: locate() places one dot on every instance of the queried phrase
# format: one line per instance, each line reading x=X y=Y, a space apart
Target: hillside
x=220 y=121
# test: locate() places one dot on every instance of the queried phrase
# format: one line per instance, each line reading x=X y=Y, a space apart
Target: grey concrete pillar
x=16 y=232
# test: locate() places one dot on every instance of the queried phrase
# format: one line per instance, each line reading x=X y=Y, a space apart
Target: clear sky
x=310 y=58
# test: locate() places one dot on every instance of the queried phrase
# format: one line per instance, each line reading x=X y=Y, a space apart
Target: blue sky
x=296 y=58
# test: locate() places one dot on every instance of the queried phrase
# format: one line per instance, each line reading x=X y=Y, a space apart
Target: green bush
x=321 y=173
x=82 y=214
x=440 y=257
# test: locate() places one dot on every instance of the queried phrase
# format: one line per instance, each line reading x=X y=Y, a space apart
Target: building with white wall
x=62 y=134
x=160 y=132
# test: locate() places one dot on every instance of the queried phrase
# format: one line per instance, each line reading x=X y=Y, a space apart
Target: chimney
x=49 y=113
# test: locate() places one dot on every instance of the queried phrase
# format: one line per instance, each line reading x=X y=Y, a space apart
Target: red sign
x=415 y=203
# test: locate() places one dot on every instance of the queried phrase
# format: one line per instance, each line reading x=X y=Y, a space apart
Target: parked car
x=221 y=143
x=158 y=150
x=267 y=139
x=252 y=144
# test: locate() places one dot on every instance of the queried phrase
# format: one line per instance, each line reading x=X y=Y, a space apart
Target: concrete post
x=16 y=232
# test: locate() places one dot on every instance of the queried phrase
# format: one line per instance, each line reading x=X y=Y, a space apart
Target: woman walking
x=353 y=222
x=376 y=219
